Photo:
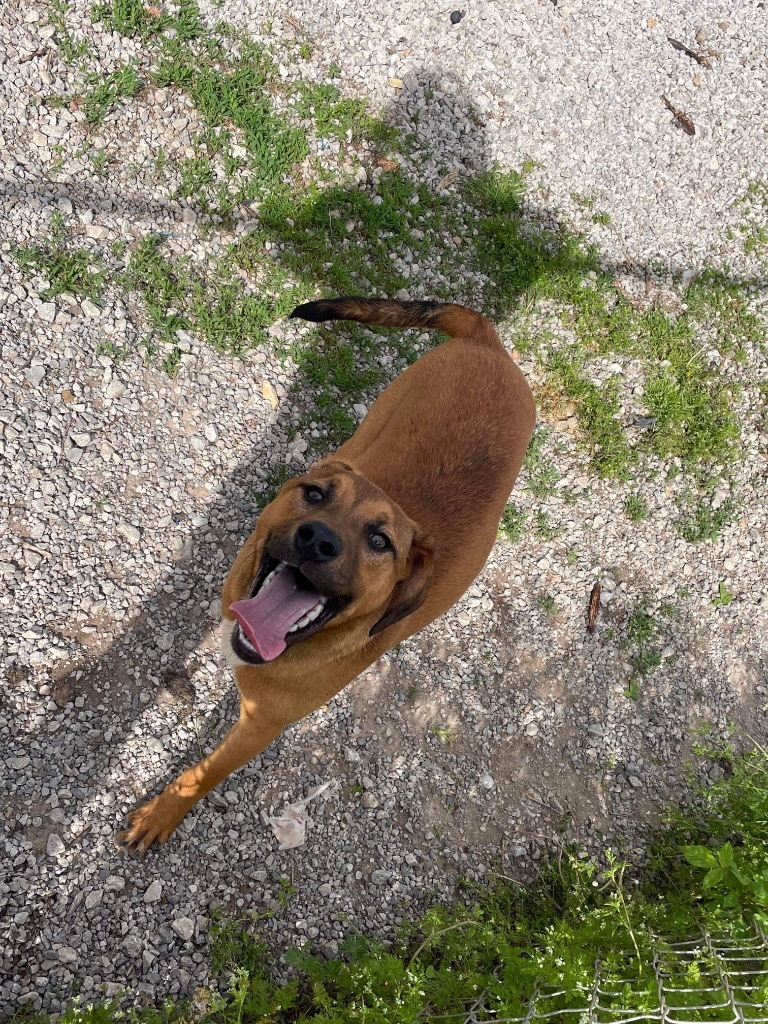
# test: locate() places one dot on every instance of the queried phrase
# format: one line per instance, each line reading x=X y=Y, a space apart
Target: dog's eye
x=313 y=495
x=379 y=541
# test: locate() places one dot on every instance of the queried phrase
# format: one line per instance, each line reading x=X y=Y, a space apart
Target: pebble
x=184 y=928
x=131 y=533
x=154 y=892
x=35 y=374
x=54 y=847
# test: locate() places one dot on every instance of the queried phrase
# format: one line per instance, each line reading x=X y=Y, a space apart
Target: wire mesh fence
x=705 y=978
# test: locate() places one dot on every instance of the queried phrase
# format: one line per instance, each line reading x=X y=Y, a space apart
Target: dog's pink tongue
x=266 y=618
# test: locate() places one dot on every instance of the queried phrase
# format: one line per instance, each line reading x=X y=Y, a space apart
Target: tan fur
x=435 y=459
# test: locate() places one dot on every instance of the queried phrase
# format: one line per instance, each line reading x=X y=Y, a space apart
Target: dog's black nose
x=317 y=542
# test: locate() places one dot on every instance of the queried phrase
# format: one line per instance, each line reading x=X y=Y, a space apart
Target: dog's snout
x=317 y=542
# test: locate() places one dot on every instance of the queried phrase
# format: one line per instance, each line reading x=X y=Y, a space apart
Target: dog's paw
x=151 y=824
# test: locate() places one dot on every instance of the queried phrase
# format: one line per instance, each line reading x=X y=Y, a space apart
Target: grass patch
x=70 y=50
x=179 y=298
x=511 y=944
x=136 y=18
x=598 y=410
x=636 y=508
x=343 y=234
x=541 y=473
x=348 y=239
x=102 y=94
x=334 y=117
x=698 y=521
x=512 y=525
x=230 y=93
x=66 y=268
x=644 y=638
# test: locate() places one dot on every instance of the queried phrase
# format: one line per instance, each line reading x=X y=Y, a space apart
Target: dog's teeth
x=247 y=643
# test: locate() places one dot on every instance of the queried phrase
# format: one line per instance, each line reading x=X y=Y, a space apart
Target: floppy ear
x=409 y=594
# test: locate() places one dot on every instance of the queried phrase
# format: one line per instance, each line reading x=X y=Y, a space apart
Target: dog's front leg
x=155 y=820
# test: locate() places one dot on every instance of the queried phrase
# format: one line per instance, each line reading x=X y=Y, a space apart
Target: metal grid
x=702 y=979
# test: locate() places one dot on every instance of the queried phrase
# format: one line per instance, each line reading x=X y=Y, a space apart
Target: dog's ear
x=409 y=594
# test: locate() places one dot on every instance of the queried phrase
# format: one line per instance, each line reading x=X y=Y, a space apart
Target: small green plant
x=103 y=94
x=66 y=269
x=724 y=836
x=543 y=525
x=636 y=508
x=642 y=631
x=547 y=604
x=70 y=49
x=512 y=525
x=286 y=892
x=542 y=474
x=723 y=597
x=136 y=18
x=99 y=159
x=698 y=520
x=446 y=735
x=338 y=118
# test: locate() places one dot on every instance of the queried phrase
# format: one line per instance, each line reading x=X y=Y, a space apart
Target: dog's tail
x=456 y=321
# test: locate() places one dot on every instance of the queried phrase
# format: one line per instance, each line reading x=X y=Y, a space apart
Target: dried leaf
x=396 y=83
x=700 y=58
x=448 y=179
x=270 y=394
x=681 y=117
x=594 y=605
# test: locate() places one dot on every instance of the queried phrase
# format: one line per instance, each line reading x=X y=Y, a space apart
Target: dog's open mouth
x=282 y=607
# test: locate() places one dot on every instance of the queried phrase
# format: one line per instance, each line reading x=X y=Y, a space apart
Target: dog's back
x=447 y=438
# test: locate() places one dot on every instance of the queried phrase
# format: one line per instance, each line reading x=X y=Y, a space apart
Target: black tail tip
x=317 y=312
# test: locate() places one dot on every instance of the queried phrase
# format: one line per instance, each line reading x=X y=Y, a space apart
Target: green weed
x=102 y=95
x=512 y=525
x=698 y=520
x=643 y=635
x=66 y=269
x=636 y=508
x=446 y=736
x=724 y=838
x=230 y=92
x=723 y=597
x=334 y=117
x=598 y=411
x=69 y=49
x=541 y=472
x=547 y=604
x=137 y=18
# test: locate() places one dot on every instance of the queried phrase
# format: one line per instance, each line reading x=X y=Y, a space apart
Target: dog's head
x=331 y=550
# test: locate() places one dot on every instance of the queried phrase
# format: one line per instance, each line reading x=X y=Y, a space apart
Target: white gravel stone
x=35 y=375
x=154 y=892
x=184 y=928
x=131 y=533
x=54 y=847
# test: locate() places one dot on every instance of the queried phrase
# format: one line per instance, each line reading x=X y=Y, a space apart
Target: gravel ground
x=126 y=494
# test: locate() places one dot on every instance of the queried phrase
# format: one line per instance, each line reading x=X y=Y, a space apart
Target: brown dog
x=371 y=544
